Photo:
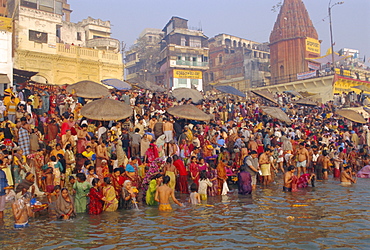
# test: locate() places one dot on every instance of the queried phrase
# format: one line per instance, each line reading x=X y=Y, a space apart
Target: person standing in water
x=346 y=176
x=163 y=194
x=288 y=178
x=22 y=211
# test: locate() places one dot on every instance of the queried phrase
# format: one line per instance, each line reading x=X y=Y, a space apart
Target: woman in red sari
x=96 y=196
x=194 y=170
x=152 y=153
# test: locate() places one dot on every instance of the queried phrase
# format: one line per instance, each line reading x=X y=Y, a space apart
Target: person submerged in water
x=346 y=176
x=163 y=194
x=288 y=178
x=22 y=211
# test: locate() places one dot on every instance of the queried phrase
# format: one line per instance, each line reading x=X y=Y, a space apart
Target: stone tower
x=293 y=39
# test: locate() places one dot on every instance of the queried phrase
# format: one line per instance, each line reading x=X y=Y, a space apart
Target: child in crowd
x=204 y=183
x=194 y=196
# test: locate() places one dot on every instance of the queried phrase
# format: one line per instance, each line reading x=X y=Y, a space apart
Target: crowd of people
x=79 y=165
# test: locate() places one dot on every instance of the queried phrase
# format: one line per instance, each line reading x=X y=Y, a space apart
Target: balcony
x=191 y=63
x=104 y=43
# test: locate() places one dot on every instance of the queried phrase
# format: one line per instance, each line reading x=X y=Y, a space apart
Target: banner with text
x=306 y=75
x=313 y=45
x=187 y=74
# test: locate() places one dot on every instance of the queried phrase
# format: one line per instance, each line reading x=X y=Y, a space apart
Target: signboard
x=5 y=24
x=306 y=75
x=313 y=45
x=313 y=66
x=187 y=74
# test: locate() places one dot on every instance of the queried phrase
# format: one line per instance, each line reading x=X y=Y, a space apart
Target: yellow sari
x=111 y=203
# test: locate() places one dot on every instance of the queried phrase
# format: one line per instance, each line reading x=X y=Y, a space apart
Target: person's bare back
x=163 y=194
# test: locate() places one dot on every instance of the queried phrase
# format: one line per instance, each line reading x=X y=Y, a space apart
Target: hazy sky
x=250 y=19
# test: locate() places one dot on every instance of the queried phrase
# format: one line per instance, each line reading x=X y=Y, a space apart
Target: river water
x=328 y=216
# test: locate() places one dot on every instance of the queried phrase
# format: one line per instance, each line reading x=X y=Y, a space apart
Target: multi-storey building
x=60 y=51
x=237 y=62
x=183 y=56
x=142 y=58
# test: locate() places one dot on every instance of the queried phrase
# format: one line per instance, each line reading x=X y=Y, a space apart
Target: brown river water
x=328 y=216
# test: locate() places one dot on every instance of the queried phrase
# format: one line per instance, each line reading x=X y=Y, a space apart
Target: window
x=150 y=39
x=195 y=42
x=220 y=59
x=194 y=59
x=187 y=58
x=29 y=4
x=46 y=5
x=281 y=70
x=39 y=37
x=183 y=41
x=205 y=59
x=179 y=58
x=183 y=83
x=79 y=36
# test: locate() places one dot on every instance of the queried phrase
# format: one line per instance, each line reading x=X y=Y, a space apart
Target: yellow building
x=60 y=51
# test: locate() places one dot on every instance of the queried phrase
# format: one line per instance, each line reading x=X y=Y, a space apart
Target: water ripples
x=325 y=217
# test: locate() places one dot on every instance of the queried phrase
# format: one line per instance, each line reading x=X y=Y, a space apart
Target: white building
x=6 y=61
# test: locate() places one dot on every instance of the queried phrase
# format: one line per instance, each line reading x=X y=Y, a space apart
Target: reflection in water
x=328 y=216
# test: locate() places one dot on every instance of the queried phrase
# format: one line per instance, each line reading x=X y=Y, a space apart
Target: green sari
x=82 y=189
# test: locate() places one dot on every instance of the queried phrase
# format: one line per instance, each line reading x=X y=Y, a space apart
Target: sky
x=249 y=19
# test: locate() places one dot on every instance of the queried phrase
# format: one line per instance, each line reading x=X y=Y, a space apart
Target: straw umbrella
x=117 y=84
x=150 y=86
x=351 y=115
x=88 y=89
x=265 y=94
x=186 y=93
x=277 y=113
x=306 y=102
x=106 y=110
x=190 y=112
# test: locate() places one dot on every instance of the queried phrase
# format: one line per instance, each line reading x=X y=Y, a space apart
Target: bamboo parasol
x=351 y=115
x=190 y=112
x=265 y=94
x=277 y=113
x=88 y=89
x=106 y=110
x=306 y=102
x=117 y=84
x=186 y=93
x=150 y=86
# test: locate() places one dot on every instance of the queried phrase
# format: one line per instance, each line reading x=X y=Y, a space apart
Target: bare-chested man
x=346 y=178
x=265 y=166
x=22 y=211
x=168 y=132
x=303 y=157
x=288 y=178
x=163 y=194
x=325 y=165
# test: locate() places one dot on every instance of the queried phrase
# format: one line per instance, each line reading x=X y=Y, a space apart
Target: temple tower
x=293 y=39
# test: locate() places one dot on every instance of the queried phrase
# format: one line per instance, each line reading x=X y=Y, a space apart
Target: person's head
x=72 y=179
x=166 y=179
x=60 y=156
x=81 y=177
x=193 y=187
x=169 y=160
x=134 y=160
x=95 y=182
x=137 y=130
x=291 y=168
x=57 y=189
x=117 y=172
x=203 y=175
x=53 y=158
x=193 y=159
x=254 y=154
x=104 y=163
x=201 y=161
x=91 y=170
x=127 y=184
x=64 y=192
x=107 y=181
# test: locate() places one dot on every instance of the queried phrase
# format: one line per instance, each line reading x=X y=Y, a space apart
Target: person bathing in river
x=288 y=178
x=22 y=211
x=346 y=178
x=163 y=194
